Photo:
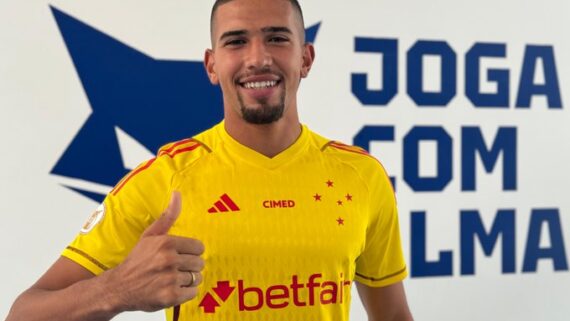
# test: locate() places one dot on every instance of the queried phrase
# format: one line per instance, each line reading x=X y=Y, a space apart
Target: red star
x=329 y=183
x=339 y=202
x=340 y=221
x=317 y=197
x=348 y=197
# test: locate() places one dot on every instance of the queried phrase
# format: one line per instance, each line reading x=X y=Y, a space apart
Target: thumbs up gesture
x=162 y=270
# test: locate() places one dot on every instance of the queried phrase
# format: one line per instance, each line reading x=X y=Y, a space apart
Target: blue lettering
x=415 y=73
x=412 y=159
x=556 y=252
x=472 y=227
x=527 y=87
x=499 y=76
x=473 y=143
x=389 y=50
x=420 y=267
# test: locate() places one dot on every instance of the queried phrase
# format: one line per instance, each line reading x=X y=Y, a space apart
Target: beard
x=263 y=114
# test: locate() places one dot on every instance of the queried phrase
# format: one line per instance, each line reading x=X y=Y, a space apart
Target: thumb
x=167 y=219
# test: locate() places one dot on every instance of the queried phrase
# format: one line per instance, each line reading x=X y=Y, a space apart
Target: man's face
x=258 y=58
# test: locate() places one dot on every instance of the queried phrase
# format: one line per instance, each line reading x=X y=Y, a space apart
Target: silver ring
x=192 y=280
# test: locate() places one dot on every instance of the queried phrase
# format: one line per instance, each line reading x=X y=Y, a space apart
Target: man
x=261 y=218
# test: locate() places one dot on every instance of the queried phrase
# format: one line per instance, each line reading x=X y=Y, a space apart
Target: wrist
x=112 y=302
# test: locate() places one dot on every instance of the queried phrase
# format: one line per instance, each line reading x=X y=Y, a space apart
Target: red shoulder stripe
x=172 y=151
x=351 y=149
x=133 y=173
x=184 y=141
x=357 y=150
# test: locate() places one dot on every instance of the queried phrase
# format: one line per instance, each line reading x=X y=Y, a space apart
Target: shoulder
x=147 y=188
x=170 y=159
x=180 y=155
x=354 y=156
x=367 y=167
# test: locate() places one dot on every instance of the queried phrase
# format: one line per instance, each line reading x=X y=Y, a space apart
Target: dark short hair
x=218 y=3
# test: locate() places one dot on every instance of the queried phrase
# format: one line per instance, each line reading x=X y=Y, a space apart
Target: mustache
x=265 y=71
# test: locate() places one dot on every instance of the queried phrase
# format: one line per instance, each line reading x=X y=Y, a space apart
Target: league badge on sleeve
x=94 y=219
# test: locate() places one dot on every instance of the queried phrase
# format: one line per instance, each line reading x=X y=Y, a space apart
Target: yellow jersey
x=285 y=237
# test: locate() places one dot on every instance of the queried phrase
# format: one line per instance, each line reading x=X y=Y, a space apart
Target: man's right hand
x=155 y=275
x=158 y=272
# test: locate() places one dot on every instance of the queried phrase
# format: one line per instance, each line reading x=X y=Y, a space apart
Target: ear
x=308 y=58
x=209 y=63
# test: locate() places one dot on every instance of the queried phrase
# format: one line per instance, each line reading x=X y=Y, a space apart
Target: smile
x=260 y=84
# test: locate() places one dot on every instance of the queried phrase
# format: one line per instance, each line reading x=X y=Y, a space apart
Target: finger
x=185 y=245
x=187 y=294
x=190 y=263
x=167 y=219
x=186 y=280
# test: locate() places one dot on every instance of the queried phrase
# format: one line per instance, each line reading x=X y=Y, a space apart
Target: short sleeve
x=382 y=261
x=115 y=227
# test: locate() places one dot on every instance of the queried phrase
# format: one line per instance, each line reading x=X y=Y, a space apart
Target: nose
x=258 y=56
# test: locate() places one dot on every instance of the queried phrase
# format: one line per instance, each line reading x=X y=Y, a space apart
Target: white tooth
x=260 y=84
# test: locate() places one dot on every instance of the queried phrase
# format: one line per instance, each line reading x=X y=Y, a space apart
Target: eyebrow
x=276 y=29
x=232 y=33
x=271 y=29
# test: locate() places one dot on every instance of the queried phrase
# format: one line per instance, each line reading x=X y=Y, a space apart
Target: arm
x=67 y=291
x=385 y=303
x=153 y=276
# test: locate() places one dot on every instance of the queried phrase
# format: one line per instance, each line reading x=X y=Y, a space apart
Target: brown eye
x=234 y=42
x=278 y=39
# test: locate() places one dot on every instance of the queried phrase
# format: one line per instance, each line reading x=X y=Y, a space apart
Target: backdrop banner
x=464 y=102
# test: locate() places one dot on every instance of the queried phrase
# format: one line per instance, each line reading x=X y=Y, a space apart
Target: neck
x=269 y=139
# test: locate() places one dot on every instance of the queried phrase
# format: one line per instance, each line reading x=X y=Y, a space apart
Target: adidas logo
x=224 y=204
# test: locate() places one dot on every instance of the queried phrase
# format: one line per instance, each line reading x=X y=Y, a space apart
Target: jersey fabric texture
x=285 y=237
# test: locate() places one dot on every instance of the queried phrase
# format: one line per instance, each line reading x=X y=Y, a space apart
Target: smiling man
x=258 y=57
x=262 y=219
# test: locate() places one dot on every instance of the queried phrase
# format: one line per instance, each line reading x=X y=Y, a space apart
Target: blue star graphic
x=154 y=101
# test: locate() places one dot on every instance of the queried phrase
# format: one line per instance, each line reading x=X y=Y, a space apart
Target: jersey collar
x=236 y=149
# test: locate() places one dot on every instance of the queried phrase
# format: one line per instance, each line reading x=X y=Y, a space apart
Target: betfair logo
x=278 y=296
x=223 y=290
x=224 y=204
